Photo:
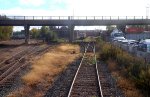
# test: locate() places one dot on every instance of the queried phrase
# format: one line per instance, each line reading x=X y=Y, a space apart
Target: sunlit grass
x=51 y=63
x=44 y=70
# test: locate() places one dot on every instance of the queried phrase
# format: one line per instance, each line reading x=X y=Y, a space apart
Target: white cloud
x=34 y=12
x=32 y=2
x=109 y=7
x=82 y=8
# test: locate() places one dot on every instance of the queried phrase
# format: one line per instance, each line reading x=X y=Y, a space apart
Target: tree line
x=5 y=31
x=44 y=33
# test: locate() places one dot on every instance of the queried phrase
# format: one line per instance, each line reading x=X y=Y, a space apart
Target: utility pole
x=147 y=16
x=147 y=11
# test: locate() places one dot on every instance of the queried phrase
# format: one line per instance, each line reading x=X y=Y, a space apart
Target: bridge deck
x=72 y=20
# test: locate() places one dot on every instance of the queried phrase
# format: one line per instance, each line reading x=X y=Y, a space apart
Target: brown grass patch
x=47 y=67
x=127 y=85
x=68 y=48
x=112 y=65
x=50 y=64
x=21 y=92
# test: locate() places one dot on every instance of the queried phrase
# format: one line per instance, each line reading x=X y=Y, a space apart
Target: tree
x=48 y=34
x=44 y=30
x=5 y=32
x=51 y=36
x=35 y=32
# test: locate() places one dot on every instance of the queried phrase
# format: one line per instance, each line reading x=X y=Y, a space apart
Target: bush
x=51 y=36
x=109 y=52
x=5 y=32
x=48 y=34
x=134 y=67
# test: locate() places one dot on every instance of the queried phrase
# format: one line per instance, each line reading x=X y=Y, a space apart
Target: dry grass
x=46 y=68
x=50 y=64
x=68 y=48
x=21 y=92
x=112 y=65
x=127 y=85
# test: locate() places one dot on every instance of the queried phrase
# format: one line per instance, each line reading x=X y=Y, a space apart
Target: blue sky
x=32 y=4
x=74 y=7
x=32 y=7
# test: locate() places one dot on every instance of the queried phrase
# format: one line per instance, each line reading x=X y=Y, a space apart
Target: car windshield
x=118 y=34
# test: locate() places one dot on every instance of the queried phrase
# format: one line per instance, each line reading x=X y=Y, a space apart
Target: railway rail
x=86 y=78
x=17 y=55
x=9 y=71
x=86 y=82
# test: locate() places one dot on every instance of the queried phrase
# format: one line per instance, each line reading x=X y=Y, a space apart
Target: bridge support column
x=27 y=34
x=146 y=27
x=121 y=27
x=71 y=33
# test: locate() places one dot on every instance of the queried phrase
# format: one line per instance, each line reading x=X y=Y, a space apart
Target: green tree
x=44 y=30
x=5 y=32
x=35 y=32
x=52 y=36
x=48 y=34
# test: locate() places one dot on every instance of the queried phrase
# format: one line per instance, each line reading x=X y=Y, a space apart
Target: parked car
x=144 y=45
x=117 y=35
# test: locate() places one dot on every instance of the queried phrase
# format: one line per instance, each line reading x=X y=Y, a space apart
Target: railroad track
x=86 y=82
x=108 y=83
x=16 y=56
x=9 y=71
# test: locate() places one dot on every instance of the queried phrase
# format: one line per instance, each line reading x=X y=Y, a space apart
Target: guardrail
x=74 y=17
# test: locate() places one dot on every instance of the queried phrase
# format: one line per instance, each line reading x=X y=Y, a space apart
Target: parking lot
x=136 y=48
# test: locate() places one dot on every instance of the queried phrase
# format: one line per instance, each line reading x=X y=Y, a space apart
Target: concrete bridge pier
x=121 y=27
x=71 y=32
x=27 y=34
x=146 y=27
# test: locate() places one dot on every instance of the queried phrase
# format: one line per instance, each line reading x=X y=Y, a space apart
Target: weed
x=127 y=66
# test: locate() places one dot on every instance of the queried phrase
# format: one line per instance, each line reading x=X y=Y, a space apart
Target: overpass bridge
x=71 y=21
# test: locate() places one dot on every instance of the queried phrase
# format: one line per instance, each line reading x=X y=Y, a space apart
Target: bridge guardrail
x=73 y=17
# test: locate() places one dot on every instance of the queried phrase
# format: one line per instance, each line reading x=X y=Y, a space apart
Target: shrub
x=135 y=68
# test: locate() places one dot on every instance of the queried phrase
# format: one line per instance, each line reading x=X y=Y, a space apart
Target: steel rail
x=98 y=77
x=15 y=64
x=4 y=78
x=14 y=56
x=77 y=71
x=97 y=74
